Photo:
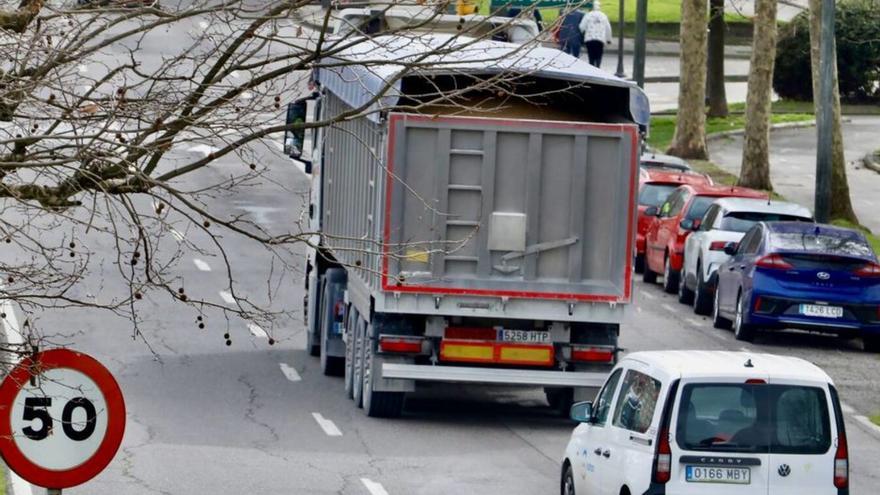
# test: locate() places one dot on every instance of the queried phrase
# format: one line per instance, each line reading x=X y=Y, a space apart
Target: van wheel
x=872 y=343
x=566 y=487
x=670 y=276
x=640 y=263
x=742 y=330
x=702 y=298
x=718 y=321
x=377 y=404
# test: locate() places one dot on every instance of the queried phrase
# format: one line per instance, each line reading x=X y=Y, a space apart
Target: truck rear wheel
x=313 y=324
x=351 y=324
x=358 y=368
x=377 y=404
x=560 y=400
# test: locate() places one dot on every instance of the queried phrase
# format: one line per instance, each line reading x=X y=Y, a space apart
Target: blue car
x=800 y=275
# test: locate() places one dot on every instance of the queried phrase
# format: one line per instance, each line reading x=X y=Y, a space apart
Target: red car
x=655 y=185
x=672 y=222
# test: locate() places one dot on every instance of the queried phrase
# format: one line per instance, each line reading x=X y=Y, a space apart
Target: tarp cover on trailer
x=363 y=71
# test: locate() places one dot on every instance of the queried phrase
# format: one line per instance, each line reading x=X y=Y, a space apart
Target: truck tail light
x=471 y=333
x=397 y=344
x=662 y=471
x=774 y=262
x=870 y=270
x=592 y=354
x=717 y=246
x=841 y=463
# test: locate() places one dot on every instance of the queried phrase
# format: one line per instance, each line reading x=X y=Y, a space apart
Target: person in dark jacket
x=570 y=36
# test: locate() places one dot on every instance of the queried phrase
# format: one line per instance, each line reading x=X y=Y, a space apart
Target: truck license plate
x=525 y=336
x=709 y=474
x=821 y=311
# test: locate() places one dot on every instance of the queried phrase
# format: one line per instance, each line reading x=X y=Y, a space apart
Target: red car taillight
x=717 y=246
x=774 y=262
x=841 y=463
x=870 y=270
x=662 y=471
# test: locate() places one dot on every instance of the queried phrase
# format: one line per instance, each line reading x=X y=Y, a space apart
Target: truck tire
x=377 y=404
x=351 y=321
x=357 y=377
x=313 y=332
x=334 y=286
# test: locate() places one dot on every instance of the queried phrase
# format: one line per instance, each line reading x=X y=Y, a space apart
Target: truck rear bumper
x=462 y=374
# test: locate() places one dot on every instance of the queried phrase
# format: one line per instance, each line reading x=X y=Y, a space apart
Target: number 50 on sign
x=62 y=418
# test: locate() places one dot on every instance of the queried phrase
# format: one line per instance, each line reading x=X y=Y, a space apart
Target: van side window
x=603 y=400
x=636 y=402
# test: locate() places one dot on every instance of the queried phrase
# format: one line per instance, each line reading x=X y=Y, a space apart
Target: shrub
x=857 y=25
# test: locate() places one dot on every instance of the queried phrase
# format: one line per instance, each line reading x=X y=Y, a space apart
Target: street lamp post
x=620 y=72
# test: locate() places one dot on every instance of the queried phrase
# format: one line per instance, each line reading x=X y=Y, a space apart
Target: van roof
x=688 y=364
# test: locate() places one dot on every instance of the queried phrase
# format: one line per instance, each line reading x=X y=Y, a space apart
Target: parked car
x=799 y=275
x=726 y=220
x=679 y=215
x=664 y=162
x=655 y=185
x=709 y=422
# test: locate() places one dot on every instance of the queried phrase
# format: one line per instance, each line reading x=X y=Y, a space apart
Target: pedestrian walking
x=596 y=31
x=570 y=37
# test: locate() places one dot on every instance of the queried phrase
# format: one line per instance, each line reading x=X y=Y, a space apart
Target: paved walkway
x=793 y=164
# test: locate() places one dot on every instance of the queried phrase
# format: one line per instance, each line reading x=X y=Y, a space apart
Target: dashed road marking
x=227 y=297
x=669 y=308
x=328 y=426
x=257 y=331
x=648 y=295
x=201 y=265
x=695 y=322
x=290 y=372
x=203 y=149
x=177 y=235
x=374 y=487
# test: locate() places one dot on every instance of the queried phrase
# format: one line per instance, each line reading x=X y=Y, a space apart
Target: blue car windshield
x=843 y=244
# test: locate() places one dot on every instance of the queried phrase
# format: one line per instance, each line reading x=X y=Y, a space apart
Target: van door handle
x=606 y=454
x=598 y=451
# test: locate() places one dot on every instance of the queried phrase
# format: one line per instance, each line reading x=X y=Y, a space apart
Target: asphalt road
x=204 y=417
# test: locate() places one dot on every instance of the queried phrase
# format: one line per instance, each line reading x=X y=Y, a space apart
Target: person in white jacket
x=597 y=32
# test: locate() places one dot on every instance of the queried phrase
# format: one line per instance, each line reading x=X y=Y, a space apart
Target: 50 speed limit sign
x=62 y=418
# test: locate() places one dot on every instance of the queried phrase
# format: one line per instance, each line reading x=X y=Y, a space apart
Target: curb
x=870 y=161
x=775 y=127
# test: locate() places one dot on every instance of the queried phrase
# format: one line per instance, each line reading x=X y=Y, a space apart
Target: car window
x=670 y=201
x=742 y=221
x=679 y=203
x=636 y=402
x=780 y=419
x=603 y=400
x=751 y=241
x=708 y=221
x=745 y=241
x=655 y=194
x=699 y=206
x=840 y=243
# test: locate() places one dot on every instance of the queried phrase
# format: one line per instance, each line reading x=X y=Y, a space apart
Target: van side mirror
x=296 y=142
x=581 y=412
x=652 y=211
x=730 y=248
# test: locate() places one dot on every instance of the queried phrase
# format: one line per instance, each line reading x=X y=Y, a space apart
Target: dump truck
x=472 y=218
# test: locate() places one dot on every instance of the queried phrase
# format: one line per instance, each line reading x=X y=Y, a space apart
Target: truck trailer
x=472 y=217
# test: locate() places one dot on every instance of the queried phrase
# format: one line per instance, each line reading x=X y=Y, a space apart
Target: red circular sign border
x=89 y=366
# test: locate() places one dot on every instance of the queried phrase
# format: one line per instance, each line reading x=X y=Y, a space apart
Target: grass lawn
x=659 y=11
x=875 y=419
x=663 y=126
x=792 y=106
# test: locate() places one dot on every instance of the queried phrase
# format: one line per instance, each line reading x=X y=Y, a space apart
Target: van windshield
x=757 y=418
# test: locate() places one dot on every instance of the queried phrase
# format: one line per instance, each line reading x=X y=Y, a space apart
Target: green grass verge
x=793 y=106
x=663 y=126
x=876 y=419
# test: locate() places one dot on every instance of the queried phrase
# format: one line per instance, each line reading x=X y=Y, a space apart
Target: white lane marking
x=290 y=373
x=204 y=25
x=846 y=408
x=227 y=297
x=695 y=322
x=373 y=487
x=177 y=235
x=867 y=423
x=201 y=265
x=256 y=331
x=234 y=74
x=648 y=295
x=19 y=486
x=669 y=308
x=328 y=426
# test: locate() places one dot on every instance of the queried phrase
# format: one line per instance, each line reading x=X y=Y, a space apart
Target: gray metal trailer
x=471 y=244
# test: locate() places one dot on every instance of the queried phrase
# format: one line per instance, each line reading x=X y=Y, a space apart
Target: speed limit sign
x=62 y=418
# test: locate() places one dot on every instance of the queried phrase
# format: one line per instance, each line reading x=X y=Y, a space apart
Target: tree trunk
x=841 y=205
x=715 y=79
x=755 y=169
x=689 y=140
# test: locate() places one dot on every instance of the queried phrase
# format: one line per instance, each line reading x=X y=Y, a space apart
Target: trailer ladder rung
x=455 y=151
x=462 y=258
x=465 y=187
x=463 y=223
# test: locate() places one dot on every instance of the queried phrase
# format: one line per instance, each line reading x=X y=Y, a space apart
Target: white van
x=709 y=422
